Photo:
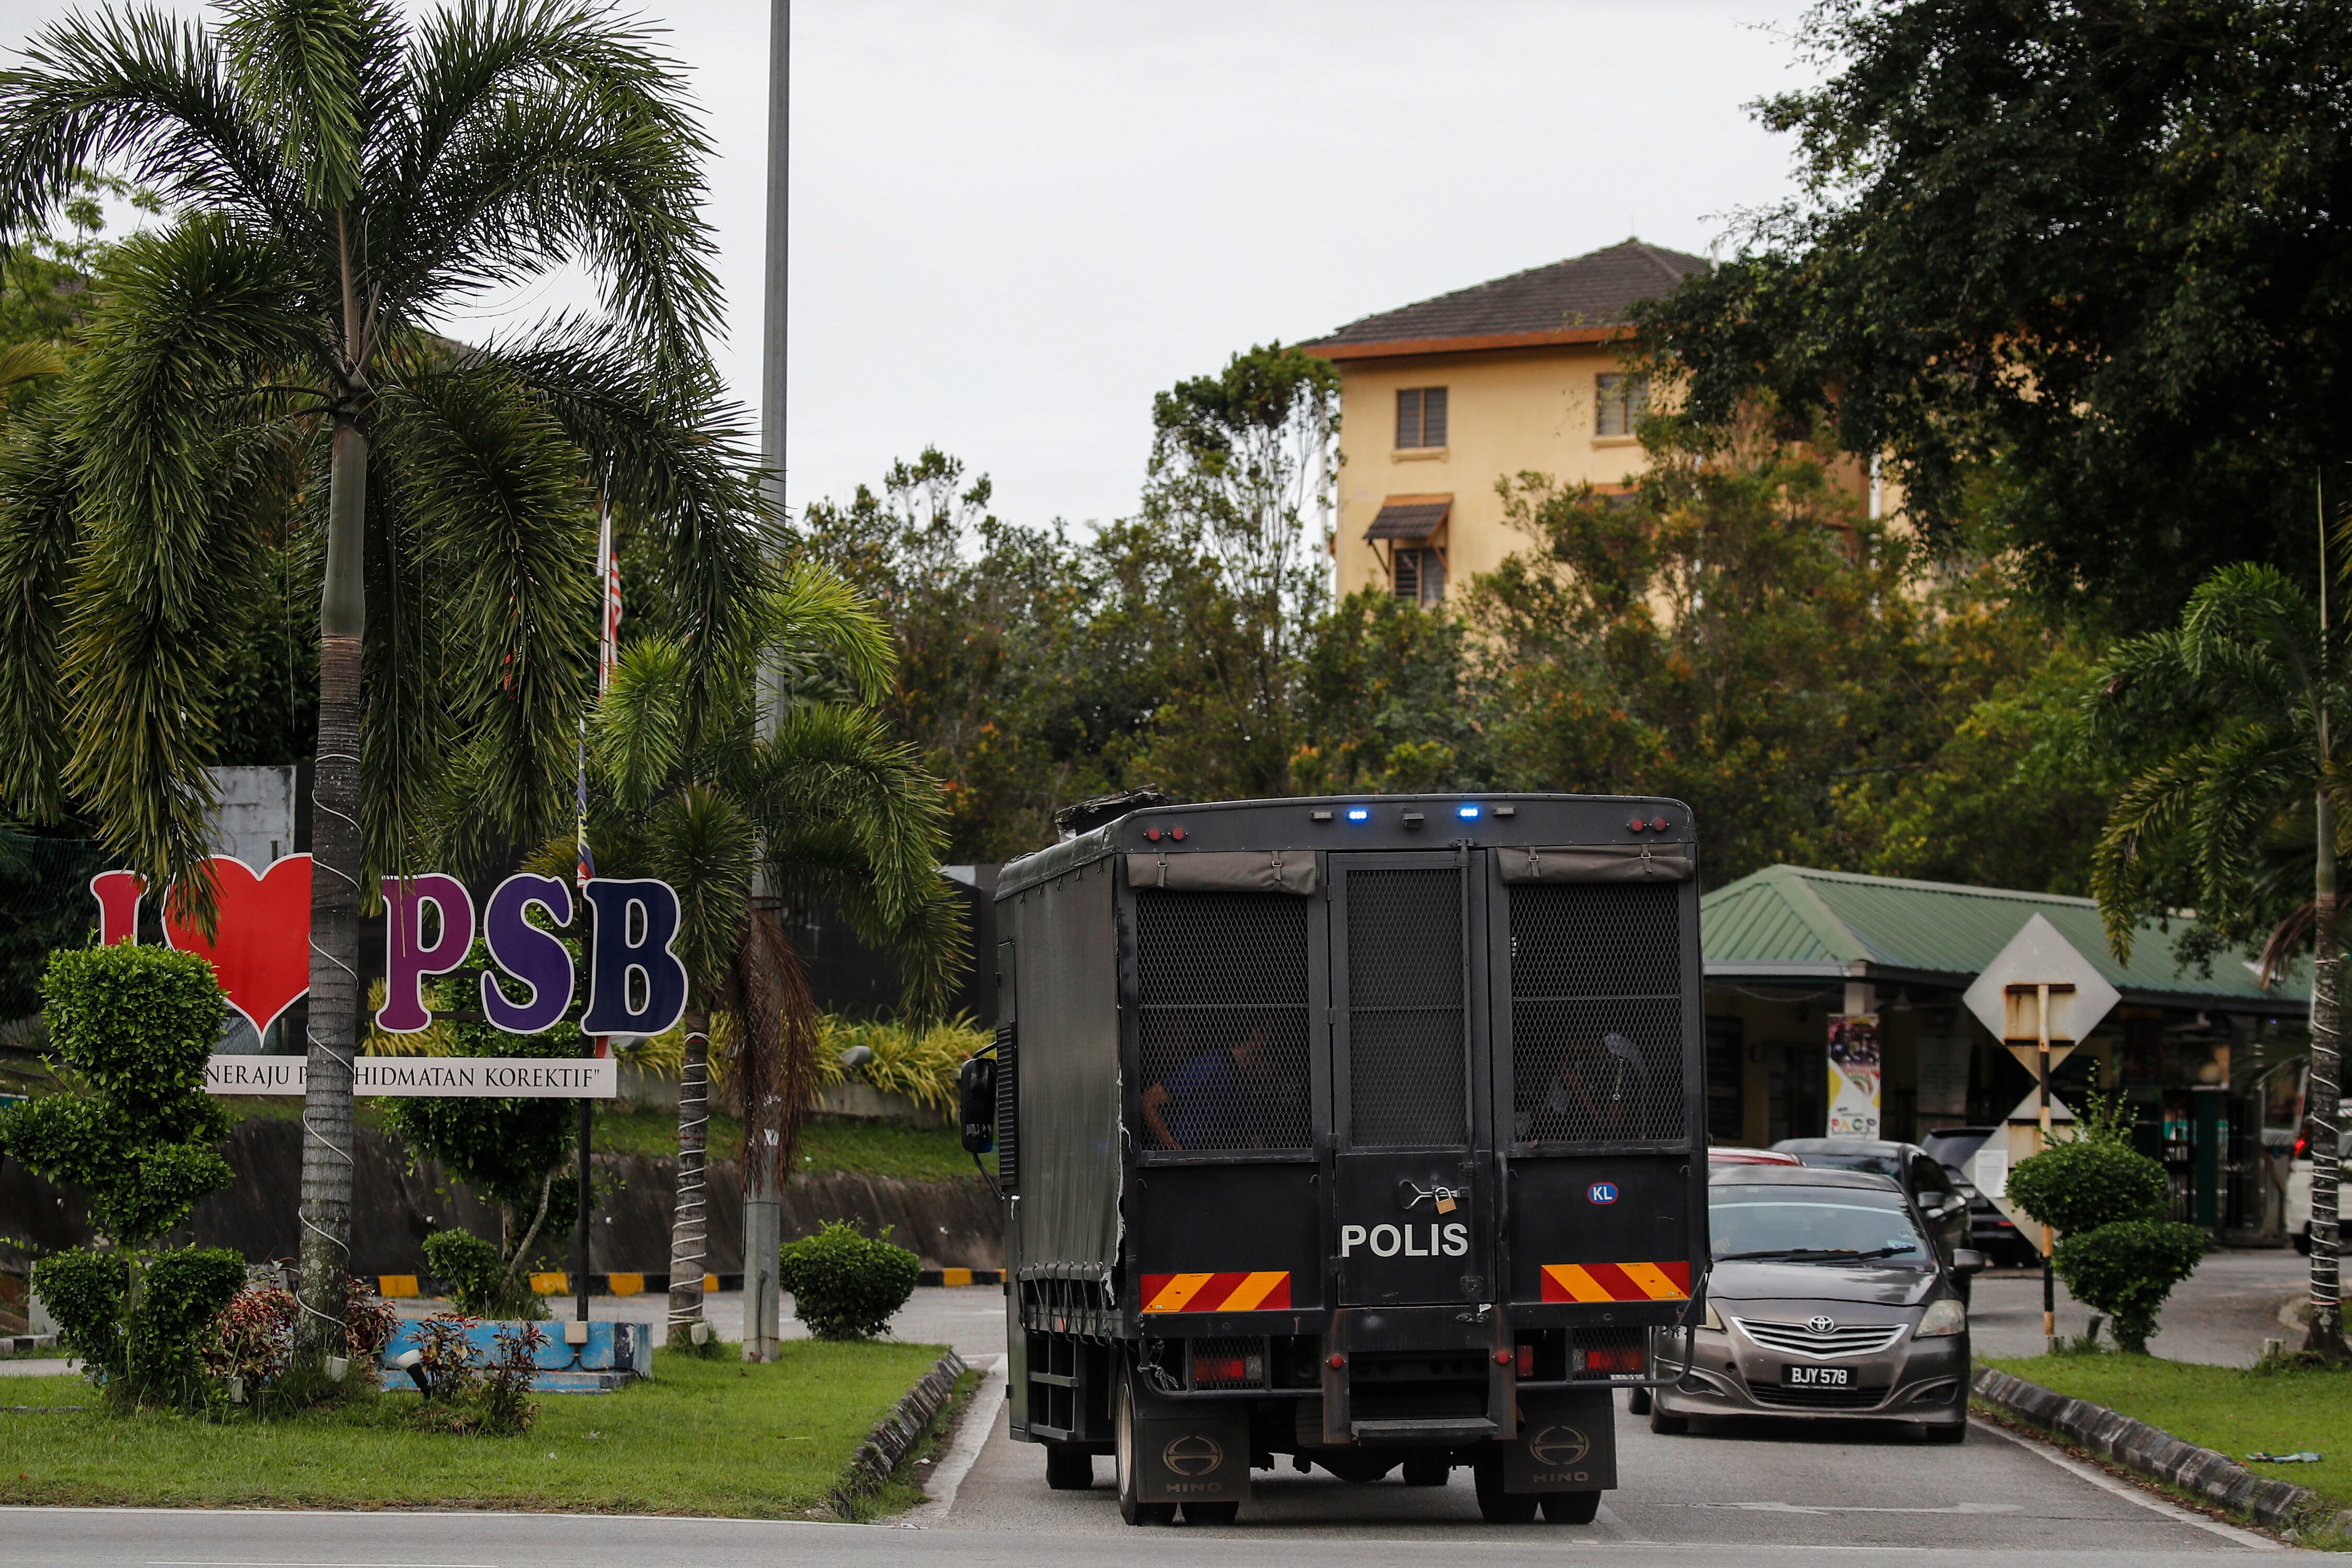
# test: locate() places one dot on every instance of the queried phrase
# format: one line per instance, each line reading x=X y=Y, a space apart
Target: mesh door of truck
x=1596 y=1013
x=1222 y=992
x=1407 y=1051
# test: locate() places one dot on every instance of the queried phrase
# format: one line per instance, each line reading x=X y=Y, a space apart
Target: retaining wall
x=952 y=1224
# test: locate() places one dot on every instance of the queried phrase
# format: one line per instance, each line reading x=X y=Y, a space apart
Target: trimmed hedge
x=846 y=1285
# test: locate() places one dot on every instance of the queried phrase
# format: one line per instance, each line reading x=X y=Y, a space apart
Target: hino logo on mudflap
x=1448 y=1240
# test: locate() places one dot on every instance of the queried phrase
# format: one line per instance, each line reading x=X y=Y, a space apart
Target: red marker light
x=1152 y=834
x=1527 y=1360
x=1177 y=834
x=1336 y=1361
x=1635 y=825
x=1657 y=825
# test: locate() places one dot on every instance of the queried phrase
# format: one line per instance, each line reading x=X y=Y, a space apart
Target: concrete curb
x=897 y=1433
x=2152 y=1451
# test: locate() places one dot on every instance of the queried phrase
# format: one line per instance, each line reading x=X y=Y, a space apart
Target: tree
x=340 y=179
x=136 y=1025
x=1387 y=702
x=1238 y=460
x=1001 y=685
x=2075 y=268
x=825 y=807
x=2241 y=693
x=510 y=1151
x=1732 y=633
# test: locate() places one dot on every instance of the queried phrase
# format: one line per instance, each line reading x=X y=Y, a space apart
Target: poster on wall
x=1854 y=1075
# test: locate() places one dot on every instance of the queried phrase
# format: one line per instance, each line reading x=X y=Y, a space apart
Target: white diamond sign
x=2006 y=999
x=2036 y=956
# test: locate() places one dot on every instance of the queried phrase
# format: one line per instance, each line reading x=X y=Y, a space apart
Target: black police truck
x=1364 y=1131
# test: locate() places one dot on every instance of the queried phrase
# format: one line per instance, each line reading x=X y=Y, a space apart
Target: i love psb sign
x=261 y=949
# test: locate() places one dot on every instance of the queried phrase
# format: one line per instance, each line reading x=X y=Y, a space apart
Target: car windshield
x=1816 y=1224
x=1876 y=1164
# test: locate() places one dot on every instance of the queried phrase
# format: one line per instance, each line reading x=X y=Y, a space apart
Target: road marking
x=2107 y=1483
x=1857 y=1508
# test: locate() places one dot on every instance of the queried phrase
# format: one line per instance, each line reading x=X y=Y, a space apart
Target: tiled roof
x=1584 y=291
x=1794 y=920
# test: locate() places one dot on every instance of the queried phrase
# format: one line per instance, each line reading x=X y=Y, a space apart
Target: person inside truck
x=1595 y=1092
x=1210 y=1101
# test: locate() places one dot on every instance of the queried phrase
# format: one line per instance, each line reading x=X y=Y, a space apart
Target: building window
x=1418 y=575
x=1420 y=416
x=1619 y=400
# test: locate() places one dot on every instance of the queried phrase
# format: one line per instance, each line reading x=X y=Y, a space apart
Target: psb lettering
x=1451 y=1239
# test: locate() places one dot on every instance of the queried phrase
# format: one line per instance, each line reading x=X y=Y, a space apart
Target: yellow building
x=1441 y=399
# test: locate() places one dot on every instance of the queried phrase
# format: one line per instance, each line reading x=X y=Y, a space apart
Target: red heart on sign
x=261 y=951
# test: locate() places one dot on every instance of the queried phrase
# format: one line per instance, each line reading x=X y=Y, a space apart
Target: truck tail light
x=1527 y=1360
x=1223 y=1368
x=1609 y=1353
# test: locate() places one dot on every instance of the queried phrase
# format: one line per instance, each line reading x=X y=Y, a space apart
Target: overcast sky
x=1014 y=221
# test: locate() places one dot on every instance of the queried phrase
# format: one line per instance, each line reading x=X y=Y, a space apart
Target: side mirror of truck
x=976 y=1103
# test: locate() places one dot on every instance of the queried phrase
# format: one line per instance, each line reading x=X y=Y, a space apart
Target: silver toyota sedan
x=1827 y=1300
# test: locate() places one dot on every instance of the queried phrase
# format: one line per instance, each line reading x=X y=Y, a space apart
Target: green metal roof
x=1800 y=923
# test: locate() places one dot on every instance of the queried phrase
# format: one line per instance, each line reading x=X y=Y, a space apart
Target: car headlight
x=1711 y=1318
x=1944 y=1317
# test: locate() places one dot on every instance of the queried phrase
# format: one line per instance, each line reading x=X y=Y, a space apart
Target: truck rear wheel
x=1572 y=1507
x=1123 y=1458
x=1496 y=1506
x=1068 y=1468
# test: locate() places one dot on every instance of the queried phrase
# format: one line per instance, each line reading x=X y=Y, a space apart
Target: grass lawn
x=828 y=1143
x=702 y=1437
x=2226 y=1408
x=864 y=1148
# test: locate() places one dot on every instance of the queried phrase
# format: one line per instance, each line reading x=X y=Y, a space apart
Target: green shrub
x=2085 y=1183
x=84 y=1292
x=469 y=1269
x=179 y=1294
x=2126 y=1268
x=136 y=1023
x=848 y=1285
x=464 y=1394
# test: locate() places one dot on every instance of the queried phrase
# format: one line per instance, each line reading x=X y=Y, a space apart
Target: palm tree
x=340 y=179
x=824 y=806
x=2255 y=659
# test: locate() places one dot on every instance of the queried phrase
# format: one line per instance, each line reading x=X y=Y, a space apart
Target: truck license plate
x=1816 y=1377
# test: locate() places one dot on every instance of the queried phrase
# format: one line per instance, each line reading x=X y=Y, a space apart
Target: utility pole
x=763 y=1203
x=2041 y=1076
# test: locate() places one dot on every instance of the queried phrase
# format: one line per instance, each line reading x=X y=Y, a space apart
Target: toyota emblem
x=1821 y=1323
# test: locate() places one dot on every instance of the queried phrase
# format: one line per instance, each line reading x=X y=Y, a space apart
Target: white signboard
x=2006 y=999
x=494 y=1078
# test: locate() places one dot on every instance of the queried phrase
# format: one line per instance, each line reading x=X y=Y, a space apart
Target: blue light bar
x=1359 y=814
x=1466 y=811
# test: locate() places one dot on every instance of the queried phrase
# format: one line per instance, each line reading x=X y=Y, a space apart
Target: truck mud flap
x=1190 y=1450
x=1567 y=1443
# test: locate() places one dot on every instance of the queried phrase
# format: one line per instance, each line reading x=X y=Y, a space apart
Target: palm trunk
x=689 y=1226
x=336 y=863
x=2325 y=1337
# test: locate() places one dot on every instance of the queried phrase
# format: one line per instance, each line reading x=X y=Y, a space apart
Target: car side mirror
x=976 y=1103
x=1967 y=1260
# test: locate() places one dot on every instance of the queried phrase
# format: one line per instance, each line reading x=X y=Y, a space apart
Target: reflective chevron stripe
x=1262 y=1292
x=1616 y=1281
